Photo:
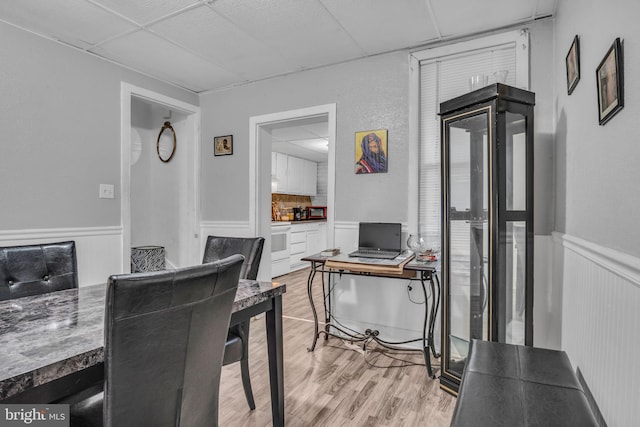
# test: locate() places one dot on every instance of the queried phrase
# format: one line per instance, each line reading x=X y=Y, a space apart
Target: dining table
x=52 y=344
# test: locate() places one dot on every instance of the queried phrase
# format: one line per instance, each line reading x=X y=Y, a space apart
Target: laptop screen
x=380 y=235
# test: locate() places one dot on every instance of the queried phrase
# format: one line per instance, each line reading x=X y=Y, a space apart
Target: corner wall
x=597 y=250
x=61 y=128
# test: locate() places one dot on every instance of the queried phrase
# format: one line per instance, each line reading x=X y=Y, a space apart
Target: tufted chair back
x=37 y=269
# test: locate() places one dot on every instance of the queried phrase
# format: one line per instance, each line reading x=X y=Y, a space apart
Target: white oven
x=280 y=240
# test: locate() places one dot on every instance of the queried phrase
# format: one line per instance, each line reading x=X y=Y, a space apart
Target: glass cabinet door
x=487 y=223
x=512 y=292
x=467 y=226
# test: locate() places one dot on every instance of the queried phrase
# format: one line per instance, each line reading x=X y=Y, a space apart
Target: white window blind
x=441 y=79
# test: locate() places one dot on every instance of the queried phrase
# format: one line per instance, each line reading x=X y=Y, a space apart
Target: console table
x=426 y=271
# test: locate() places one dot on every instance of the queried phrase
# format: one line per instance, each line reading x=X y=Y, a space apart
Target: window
x=440 y=74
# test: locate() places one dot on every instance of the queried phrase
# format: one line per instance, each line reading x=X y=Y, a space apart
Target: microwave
x=316 y=212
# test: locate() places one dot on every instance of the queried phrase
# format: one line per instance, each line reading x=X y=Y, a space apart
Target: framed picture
x=223 y=145
x=573 y=65
x=610 y=80
x=371 y=151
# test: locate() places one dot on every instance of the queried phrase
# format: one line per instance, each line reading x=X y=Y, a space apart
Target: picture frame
x=371 y=152
x=610 y=83
x=223 y=145
x=572 y=62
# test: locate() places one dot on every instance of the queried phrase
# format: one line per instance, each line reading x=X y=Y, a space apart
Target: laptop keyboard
x=374 y=254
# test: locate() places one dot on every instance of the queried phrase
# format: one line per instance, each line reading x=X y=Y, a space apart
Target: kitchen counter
x=304 y=221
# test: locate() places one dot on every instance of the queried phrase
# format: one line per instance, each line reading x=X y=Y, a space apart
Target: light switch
x=106 y=191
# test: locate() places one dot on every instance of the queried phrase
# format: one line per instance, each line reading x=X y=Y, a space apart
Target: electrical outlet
x=106 y=191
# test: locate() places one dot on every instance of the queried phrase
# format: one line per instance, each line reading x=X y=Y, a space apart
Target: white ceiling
x=204 y=45
x=305 y=138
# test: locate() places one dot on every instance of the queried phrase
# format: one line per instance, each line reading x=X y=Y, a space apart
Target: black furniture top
x=36 y=269
x=509 y=385
x=221 y=247
x=33 y=361
x=165 y=334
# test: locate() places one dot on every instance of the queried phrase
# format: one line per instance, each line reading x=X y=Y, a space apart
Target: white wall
x=156 y=187
x=597 y=207
x=370 y=94
x=60 y=118
x=374 y=93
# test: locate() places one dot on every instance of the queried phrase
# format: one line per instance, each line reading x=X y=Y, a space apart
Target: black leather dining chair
x=237 y=348
x=165 y=335
x=37 y=269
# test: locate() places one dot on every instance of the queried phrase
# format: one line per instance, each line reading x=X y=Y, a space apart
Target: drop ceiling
x=306 y=138
x=207 y=45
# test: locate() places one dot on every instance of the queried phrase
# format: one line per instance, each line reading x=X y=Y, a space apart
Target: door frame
x=189 y=227
x=259 y=212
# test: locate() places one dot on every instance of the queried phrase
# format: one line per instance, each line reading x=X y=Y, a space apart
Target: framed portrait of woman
x=371 y=151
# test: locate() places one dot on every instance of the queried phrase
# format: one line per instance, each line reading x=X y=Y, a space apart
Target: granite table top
x=45 y=337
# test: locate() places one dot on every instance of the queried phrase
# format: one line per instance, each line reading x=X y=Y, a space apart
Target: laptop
x=380 y=240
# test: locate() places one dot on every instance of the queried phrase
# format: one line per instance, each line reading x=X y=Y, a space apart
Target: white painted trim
x=193 y=113
x=619 y=263
x=58 y=233
x=519 y=38
x=522 y=59
x=261 y=225
x=235 y=225
x=413 y=188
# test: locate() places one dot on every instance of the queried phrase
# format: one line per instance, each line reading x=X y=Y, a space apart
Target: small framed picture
x=371 y=151
x=573 y=65
x=223 y=145
x=610 y=80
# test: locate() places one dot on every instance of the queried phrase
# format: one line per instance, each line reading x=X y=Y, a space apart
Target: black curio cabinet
x=487 y=223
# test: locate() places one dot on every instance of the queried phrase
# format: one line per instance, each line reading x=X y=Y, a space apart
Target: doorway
x=261 y=142
x=159 y=199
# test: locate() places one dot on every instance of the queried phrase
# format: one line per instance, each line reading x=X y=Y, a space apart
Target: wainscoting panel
x=99 y=249
x=600 y=322
x=223 y=228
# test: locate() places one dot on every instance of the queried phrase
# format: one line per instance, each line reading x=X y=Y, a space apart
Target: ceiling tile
x=203 y=31
x=300 y=30
x=459 y=17
x=157 y=57
x=75 y=22
x=145 y=11
x=382 y=25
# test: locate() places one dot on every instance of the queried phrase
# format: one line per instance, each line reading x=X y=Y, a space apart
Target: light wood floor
x=334 y=385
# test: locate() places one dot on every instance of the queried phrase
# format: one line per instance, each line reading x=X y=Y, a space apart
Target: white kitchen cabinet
x=281 y=172
x=293 y=175
x=280 y=243
x=306 y=239
x=295 y=183
x=310 y=178
x=274 y=162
